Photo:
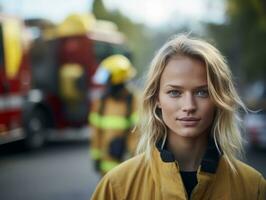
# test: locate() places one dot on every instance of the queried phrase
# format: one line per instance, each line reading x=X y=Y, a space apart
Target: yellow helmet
x=117 y=68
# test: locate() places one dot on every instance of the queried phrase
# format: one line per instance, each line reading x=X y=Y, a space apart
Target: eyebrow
x=180 y=87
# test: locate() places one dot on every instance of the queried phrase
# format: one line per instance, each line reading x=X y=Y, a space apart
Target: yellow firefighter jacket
x=159 y=179
x=109 y=125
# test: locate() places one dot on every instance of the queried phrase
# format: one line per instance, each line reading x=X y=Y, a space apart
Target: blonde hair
x=225 y=127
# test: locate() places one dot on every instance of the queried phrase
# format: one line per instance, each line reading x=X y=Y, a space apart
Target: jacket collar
x=209 y=162
x=165 y=172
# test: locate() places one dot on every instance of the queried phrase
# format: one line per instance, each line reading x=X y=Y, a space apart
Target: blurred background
x=49 y=51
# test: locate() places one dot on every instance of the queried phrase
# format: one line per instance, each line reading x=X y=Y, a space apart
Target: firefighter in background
x=113 y=116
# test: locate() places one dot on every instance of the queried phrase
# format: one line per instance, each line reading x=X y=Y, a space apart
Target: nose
x=189 y=104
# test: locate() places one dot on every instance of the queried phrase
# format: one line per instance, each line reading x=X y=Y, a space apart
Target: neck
x=187 y=151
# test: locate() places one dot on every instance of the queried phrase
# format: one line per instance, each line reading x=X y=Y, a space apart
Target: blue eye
x=202 y=93
x=174 y=93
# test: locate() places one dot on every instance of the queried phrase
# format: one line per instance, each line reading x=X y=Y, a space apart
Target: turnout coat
x=159 y=179
x=111 y=121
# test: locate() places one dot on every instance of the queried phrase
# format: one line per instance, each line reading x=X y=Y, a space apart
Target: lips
x=188 y=121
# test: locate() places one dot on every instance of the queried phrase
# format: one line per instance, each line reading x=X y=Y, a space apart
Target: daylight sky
x=151 y=12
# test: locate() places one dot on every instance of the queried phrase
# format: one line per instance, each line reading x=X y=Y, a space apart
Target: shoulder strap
x=129 y=100
x=102 y=105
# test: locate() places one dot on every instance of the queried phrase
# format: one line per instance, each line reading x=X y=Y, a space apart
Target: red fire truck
x=15 y=78
x=46 y=92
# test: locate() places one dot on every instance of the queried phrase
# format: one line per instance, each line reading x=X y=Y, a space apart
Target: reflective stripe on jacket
x=112 y=121
x=160 y=180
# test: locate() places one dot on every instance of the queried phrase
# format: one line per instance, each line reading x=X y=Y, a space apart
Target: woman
x=190 y=134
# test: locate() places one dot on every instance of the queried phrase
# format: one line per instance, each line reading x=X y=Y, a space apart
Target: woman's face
x=186 y=107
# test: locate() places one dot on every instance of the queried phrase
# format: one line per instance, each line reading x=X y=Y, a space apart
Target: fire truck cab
x=15 y=80
x=45 y=90
x=64 y=60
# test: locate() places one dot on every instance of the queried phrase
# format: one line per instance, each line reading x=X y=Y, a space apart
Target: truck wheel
x=35 y=130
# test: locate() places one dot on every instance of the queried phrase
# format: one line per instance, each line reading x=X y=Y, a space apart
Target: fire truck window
x=102 y=50
x=44 y=62
x=1 y=48
x=121 y=49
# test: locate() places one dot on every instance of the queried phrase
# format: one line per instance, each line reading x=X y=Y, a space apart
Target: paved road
x=60 y=171
x=57 y=172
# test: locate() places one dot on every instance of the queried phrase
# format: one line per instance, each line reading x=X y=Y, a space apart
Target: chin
x=188 y=133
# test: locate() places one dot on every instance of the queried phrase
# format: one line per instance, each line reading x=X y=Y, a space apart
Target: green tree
x=242 y=38
x=137 y=34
